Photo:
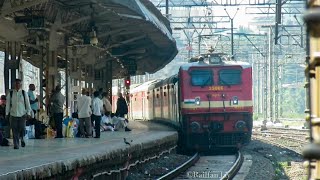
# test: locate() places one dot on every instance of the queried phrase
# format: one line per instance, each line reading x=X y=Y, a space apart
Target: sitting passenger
x=119 y=123
x=106 y=123
x=70 y=126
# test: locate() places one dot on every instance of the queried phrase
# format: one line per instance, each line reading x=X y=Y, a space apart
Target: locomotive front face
x=216 y=105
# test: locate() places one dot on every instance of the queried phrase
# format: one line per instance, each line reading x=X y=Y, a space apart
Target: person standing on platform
x=122 y=107
x=106 y=104
x=100 y=93
x=18 y=110
x=3 y=121
x=97 y=109
x=57 y=100
x=33 y=100
x=84 y=114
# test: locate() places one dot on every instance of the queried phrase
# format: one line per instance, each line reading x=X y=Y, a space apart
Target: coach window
x=229 y=77
x=201 y=78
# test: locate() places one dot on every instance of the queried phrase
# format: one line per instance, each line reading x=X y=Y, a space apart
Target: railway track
x=207 y=167
x=292 y=139
x=294 y=130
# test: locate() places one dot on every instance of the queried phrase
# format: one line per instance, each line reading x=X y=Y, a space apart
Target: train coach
x=210 y=101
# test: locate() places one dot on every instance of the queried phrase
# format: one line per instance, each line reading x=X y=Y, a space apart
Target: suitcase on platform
x=40 y=130
x=3 y=141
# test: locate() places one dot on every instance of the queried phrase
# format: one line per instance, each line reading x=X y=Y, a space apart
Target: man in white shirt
x=84 y=114
x=97 y=109
x=18 y=109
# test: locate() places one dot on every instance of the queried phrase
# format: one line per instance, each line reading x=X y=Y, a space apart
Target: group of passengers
x=18 y=106
x=92 y=110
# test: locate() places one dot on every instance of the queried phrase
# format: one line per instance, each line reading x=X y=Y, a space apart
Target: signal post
x=127 y=82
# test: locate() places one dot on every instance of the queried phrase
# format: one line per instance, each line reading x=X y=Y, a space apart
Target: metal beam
x=84 y=18
x=130 y=16
x=218 y=29
x=25 y=5
x=278 y=20
x=272 y=10
x=100 y=35
x=196 y=3
x=254 y=45
x=134 y=51
x=127 y=41
x=199 y=17
x=179 y=3
x=75 y=21
x=182 y=22
x=293 y=37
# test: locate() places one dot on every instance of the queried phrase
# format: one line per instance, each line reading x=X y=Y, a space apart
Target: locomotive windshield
x=229 y=77
x=201 y=78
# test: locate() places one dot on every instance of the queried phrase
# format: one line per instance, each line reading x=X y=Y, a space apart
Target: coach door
x=163 y=101
x=143 y=98
x=168 y=102
x=154 y=105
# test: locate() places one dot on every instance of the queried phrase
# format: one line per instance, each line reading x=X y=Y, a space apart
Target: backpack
x=39 y=129
x=3 y=141
x=24 y=99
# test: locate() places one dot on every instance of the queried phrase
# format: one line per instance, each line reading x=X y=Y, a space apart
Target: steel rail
x=280 y=137
x=284 y=129
x=127 y=167
x=288 y=129
x=291 y=139
x=235 y=168
x=277 y=144
x=182 y=168
x=284 y=133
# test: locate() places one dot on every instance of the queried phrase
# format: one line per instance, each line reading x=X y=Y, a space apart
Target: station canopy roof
x=126 y=32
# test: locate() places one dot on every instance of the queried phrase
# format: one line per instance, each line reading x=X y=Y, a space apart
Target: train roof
x=244 y=65
x=143 y=86
x=171 y=80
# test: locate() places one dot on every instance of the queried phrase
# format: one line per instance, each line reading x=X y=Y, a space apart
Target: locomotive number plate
x=239 y=108
x=215 y=95
x=215 y=88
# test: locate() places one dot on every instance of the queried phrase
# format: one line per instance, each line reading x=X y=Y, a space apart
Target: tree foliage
x=293 y=102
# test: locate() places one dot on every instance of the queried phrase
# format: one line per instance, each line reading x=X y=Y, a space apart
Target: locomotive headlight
x=197 y=100
x=240 y=125
x=195 y=127
x=235 y=100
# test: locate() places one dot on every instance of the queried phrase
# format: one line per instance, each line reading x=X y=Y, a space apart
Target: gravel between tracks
x=157 y=167
x=269 y=163
x=272 y=162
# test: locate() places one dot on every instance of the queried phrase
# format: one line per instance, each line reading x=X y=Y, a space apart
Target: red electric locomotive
x=209 y=100
x=216 y=102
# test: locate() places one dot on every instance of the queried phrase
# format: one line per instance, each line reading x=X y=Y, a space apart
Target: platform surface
x=41 y=152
